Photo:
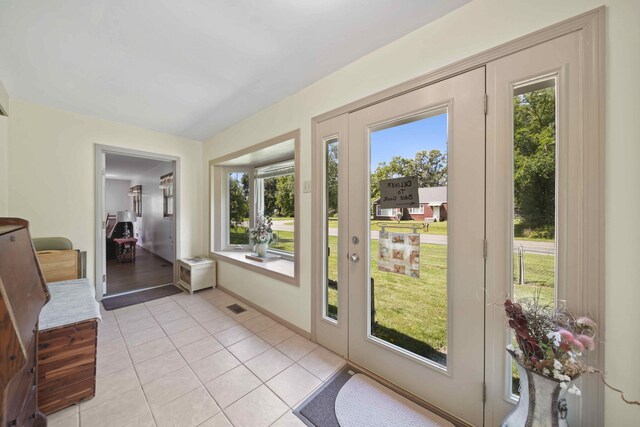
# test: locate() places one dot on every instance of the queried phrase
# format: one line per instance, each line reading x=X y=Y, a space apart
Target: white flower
x=556 y=364
x=567 y=378
x=510 y=347
x=575 y=390
x=563 y=385
x=555 y=337
x=519 y=352
x=557 y=375
x=545 y=371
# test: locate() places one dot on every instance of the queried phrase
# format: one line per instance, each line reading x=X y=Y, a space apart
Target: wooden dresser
x=23 y=293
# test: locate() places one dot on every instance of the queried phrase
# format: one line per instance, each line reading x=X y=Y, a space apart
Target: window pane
x=278 y=202
x=534 y=194
x=331 y=289
x=408 y=266
x=238 y=208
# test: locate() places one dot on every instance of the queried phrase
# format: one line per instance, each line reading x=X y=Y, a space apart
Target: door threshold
x=139 y=290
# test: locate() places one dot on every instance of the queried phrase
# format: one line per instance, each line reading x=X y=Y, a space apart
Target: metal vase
x=542 y=402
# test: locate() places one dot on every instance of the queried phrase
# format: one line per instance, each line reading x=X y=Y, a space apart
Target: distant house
x=433 y=205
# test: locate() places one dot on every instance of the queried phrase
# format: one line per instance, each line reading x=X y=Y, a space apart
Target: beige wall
x=51 y=173
x=477 y=26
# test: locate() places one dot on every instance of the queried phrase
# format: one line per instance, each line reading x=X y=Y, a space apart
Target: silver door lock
x=354 y=258
x=355 y=240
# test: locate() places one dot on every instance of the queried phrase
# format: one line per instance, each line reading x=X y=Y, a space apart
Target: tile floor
x=186 y=360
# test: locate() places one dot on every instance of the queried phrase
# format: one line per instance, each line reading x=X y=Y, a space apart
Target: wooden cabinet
x=23 y=293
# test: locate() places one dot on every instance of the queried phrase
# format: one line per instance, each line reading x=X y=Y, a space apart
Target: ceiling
x=118 y=166
x=191 y=67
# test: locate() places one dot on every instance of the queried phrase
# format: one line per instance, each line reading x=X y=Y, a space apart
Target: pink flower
x=578 y=345
x=586 y=341
x=566 y=335
x=586 y=322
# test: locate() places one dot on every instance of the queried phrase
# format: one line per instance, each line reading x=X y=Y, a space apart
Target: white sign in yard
x=399 y=192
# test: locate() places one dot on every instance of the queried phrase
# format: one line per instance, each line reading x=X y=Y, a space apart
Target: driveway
x=547 y=248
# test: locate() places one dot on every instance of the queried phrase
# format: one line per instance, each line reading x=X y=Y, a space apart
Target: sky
x=405 y=140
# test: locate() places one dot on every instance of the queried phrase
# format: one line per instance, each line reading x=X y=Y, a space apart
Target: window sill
x=282 y=269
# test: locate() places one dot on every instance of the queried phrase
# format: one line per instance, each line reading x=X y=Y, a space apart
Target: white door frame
x=591 y=25
x=100 y=151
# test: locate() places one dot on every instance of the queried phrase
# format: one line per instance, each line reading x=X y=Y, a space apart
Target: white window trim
x=226 y=228
x=417 y=211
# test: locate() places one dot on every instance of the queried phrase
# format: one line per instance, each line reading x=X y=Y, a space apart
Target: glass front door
x=415 y=242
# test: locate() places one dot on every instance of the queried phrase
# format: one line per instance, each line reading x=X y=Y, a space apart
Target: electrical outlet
x=306 y=187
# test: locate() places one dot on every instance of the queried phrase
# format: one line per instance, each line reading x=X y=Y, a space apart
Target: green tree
x=535 y=159
x=270 y=189
x=332 y=178
x=238 y=200
x=285 y=195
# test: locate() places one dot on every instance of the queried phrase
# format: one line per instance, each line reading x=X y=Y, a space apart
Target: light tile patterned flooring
x=186 y=360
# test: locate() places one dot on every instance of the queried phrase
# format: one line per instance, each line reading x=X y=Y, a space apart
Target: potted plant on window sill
x=262 y=234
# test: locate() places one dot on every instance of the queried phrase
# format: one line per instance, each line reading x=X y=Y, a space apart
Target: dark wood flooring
x=148 y=270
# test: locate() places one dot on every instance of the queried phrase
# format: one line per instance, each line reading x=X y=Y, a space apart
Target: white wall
x=117 y=195
x=477 y=26
x=51 y=173
x=155 y=233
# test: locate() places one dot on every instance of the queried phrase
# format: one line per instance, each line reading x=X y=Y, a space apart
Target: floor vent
x=236 y=308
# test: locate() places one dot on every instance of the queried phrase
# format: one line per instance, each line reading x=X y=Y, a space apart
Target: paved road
x=547 y=248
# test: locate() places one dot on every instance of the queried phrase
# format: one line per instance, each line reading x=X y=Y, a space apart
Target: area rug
x=119 y=301
x=351 y=398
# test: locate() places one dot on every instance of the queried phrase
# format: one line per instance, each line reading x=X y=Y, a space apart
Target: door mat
x=119 y=301
x=350 y=398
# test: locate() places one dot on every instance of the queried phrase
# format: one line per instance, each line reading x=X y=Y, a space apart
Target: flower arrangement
x=262 y=232
x=550 y=340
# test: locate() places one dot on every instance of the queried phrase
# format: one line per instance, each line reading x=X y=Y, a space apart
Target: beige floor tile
x=131 y=312
x=189 y=410
x=187 y=336
x=173 y=314
x=159 y=366
x=67 y=417
x=259 y=408
x=249 y=348
x=116 y=412
x=219 y=420
x=151 y=349
x=111 y=386
x=207 y=316
x=322 y=363
x=275 y=334
x=115 y=362
x=131 y=327
x=232 y=335
x=223 y=300
x=142 y=337
x=220 y=324
x=249 y=314
x=179 y=325
x=296 y=347
x=289 y=420
x=170 y=387
x=215 y=365
x=167 y=305
x=108 y=331
x=159 y=301
x=259 y=323
x=198 y=307
x=200 y=349
x=231 y=386
x=269 y=364
x=108 y=347
x=293 y=384
x=145 y=420
x=185 y=299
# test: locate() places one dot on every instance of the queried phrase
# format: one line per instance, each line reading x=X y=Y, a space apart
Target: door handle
x=354 y=258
